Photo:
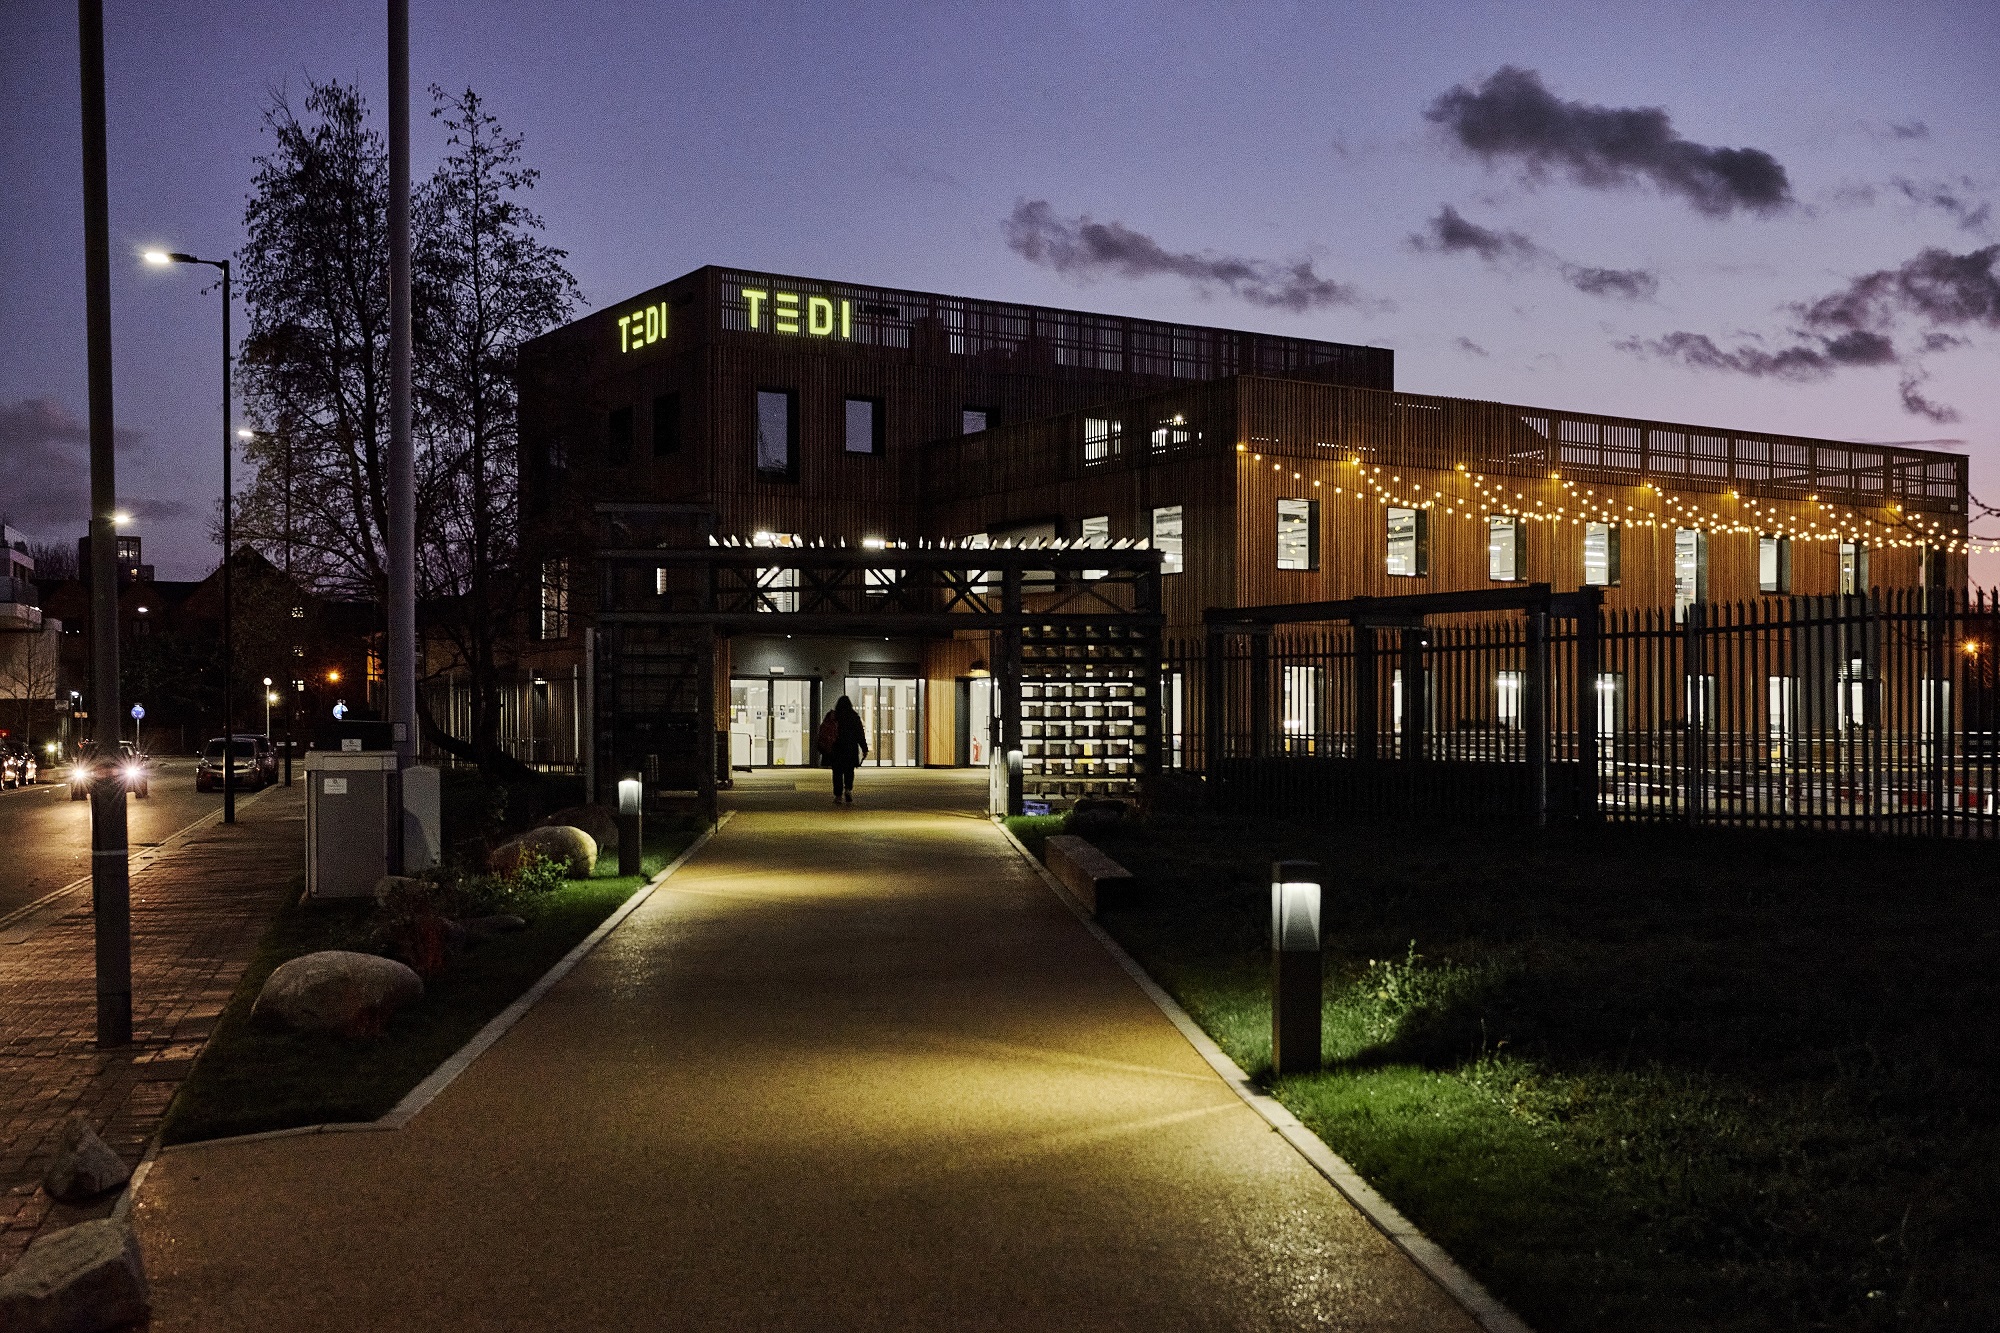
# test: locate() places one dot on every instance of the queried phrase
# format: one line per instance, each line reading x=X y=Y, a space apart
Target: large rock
x=596 y=820
x=574 y=848
x=84 y=1165
x=353 y=994
x=392 y=886
x=1093 y=816
x=82 y=1279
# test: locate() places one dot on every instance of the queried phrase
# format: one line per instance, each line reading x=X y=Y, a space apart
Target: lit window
x=1103 y=439
x=777 y=435
x=1298 y=534
x=555 y=599
x=1096 y=534
x=972 y=420
x=1508 y=686
x=618 y=437
x=1409 y=556
x=1774 y=564
x=777 y=590
x=1302 y=689
x=1600 y=555
x=1690 y=569
x=1169 y=537
x=1504 y=548
x=864 y=426
x=1174 y=433
x=1853 y=569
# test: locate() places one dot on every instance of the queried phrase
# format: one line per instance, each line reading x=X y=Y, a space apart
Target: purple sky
x=893 y=145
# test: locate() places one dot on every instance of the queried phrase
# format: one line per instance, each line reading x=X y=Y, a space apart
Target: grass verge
x=1633 y=1079
x=249 y=1080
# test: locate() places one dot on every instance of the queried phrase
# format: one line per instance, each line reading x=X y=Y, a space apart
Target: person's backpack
x=829 y=732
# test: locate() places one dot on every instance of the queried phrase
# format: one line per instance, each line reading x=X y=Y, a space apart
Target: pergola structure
x=1075 y=642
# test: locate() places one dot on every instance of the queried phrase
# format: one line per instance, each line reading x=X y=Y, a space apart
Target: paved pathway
x=199 y=906
x=850 y=1069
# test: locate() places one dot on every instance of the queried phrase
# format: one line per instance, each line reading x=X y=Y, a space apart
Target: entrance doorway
x=769 y=723
x=890 y=709
x=975 y=722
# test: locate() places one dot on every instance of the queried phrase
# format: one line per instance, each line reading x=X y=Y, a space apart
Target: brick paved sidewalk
x=198 y=910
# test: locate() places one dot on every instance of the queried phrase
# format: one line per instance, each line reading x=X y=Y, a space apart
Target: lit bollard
x=1295 y=967
x=631 y=843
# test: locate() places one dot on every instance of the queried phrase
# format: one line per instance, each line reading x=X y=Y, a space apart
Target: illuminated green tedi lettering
x=822 y=318
x=642 y=328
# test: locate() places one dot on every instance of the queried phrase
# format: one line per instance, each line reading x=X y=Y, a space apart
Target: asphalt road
x=45 y=836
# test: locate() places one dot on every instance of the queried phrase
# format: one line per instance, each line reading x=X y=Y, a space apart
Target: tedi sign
x=815 y=316
x=642 y=328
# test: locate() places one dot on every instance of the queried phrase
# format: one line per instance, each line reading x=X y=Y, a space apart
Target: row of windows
x=862 y=430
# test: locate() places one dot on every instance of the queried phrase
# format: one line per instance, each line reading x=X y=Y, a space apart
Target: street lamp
x=160 y=259
x=269 y=699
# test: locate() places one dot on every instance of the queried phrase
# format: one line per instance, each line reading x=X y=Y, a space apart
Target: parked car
x=256 y=763
x=18 y=767
x=133 y=768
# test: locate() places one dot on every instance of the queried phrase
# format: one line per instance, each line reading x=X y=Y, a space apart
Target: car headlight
x=79 y=774
x=133 y=772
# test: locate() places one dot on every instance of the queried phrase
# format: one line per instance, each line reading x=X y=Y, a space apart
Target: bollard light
x=1296 y=973
x=631 y=845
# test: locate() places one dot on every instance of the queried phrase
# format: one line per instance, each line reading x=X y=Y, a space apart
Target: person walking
x=844 y=742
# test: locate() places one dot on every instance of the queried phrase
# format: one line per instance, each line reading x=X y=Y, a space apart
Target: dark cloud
x=1910 y=129
x=1953 y=198
x=1930 y=296
x=45 y=488
x=1452 y=233
x=1085 y=249
x=1470 y=347
x=1513 y=116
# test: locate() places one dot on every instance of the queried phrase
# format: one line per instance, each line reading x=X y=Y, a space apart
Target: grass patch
x=1034 y=830
x=1639 y=1079
x=249 y=1080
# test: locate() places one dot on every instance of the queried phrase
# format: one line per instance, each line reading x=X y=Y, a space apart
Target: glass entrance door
x=768 y=722
x=889 y=709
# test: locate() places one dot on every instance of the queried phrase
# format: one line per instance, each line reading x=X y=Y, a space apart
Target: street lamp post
x=269 y=699
x=161 y=258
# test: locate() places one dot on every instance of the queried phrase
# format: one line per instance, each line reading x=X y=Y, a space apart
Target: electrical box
x=354 y=811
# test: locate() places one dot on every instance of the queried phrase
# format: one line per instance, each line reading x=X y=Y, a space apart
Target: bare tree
x=30 y=663
x=53 y=560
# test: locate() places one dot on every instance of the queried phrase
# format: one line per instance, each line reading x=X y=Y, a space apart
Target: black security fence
x=1878 y=713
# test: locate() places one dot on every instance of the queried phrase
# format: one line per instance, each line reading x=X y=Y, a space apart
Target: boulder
x=390 y=886
x=574 y=848
x=1094 y=815
x=596 y=820
x=82 y=1279
x=84 y=1165
x=353 y=994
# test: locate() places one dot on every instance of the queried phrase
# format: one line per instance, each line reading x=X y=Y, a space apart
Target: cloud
x=1951 y=198
x=1470 y=347
x=1451 y=233
x=1513 y=116
x=1909 y=129
x=1085 y=249
x=46 y=486
x=1930 y=297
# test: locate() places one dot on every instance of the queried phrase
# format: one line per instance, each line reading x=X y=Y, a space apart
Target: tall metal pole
x=402 y=663
x=110 y=874
x=228 y=600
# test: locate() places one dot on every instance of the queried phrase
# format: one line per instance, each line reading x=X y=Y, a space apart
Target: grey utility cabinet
x=349 y=800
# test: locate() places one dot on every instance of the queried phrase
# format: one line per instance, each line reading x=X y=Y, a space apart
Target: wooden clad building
x=1270 y=470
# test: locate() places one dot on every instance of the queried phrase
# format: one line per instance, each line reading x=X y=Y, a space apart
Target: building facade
x=1267 y=470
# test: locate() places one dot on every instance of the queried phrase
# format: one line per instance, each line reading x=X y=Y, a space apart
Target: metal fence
x=1878 y=714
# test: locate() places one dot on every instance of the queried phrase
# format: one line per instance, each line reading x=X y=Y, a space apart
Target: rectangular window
x=558 y=455
x=1854 y=694
x=1169 y=537
x=1930 y=567
x=1409 y=543
x=1690 y=569
x=555 y=599
x=1781 y=701
x=1853 y=569
x=1505 y=542
x=972 y=420
x=618 y=437
x=1303 y=686
x=1298 y=534
x=1508 y=686
x=1103 y=439
x=777 y=590
x=1774 y=564
x=666 y=424
x=1095 y=533
x=777 y=435
x=1600 y=555
x=863 y=420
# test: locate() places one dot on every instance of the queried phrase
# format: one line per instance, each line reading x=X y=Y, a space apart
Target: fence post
x=1364 y=692
x=1697 y=704
x=1588 y=629
x=1535 y=713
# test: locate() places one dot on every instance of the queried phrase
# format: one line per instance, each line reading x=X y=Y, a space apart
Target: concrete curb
x=33 y=916
x=1460 y=1285
x=417 y=1098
